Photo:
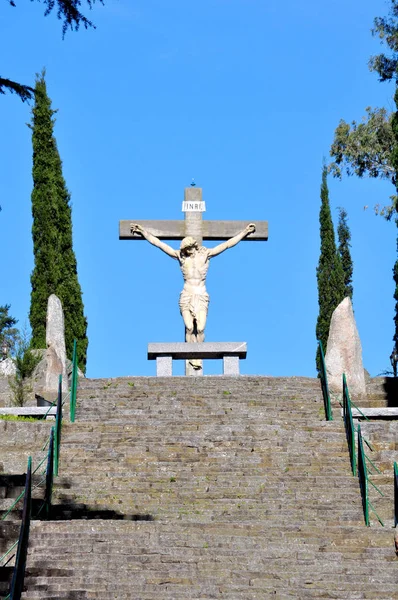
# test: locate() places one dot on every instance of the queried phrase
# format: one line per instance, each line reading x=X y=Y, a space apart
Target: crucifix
x=193 y=256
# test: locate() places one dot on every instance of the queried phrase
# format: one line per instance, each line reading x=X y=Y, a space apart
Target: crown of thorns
x=188 y=242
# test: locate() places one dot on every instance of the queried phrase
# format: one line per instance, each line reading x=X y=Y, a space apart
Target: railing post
x=58 y=424
x=20 y=561
x=363 y=476
x=349 y=425
x=325 y=385
x=49 y=475
x=73 y=389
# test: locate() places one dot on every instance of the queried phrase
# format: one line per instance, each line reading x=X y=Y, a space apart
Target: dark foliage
x=23 y=91
x=329 y=272
x=55 y=270
x=386 y=28
x=394 y=162
x=7 y=330
x=344 y=235
x=68 y=11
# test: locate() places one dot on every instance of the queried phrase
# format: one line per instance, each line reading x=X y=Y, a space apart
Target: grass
x=16 y=418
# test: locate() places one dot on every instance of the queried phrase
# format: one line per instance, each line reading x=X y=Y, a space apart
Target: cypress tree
x=394 y=162
x=55 y=268
x=344 y=235
x=329 y=272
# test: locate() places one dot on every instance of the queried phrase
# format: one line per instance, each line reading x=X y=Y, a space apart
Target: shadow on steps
x=390 y=387
x=70 y=511
x=5 y=580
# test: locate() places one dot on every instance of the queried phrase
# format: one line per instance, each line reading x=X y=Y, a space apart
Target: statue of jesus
x=194 y=263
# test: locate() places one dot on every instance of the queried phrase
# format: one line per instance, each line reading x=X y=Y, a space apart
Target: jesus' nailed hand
x=194 y=263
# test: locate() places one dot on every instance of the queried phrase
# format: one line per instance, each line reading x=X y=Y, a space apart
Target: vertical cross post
x=193 y=228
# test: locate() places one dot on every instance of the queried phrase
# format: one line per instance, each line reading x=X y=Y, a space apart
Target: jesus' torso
x=194 y=270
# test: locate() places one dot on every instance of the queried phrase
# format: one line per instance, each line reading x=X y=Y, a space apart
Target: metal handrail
x=325 y=385
x=8 y=552
x=73 y=389
x=49 y=475
x=363 y=477
x=49 y=408
x=349 y=425
x=20 y=561
x=58 y=425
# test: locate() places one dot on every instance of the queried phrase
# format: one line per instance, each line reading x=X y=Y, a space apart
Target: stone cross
x=194 y=225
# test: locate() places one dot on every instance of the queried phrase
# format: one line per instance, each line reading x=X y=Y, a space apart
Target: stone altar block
x=164 y=353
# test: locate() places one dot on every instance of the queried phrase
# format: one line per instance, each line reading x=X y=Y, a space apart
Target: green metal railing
x=49 y=478
x=51 y=470
x=358 y=462
x=73 y=388
x=58 y=427
x=22 y=552
x=349 y=425
x=363 y=477
x=49 y=475
x=325 y=385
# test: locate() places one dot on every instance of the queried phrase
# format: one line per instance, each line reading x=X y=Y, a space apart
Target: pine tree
x=329 y=273
x=55 y=270
x=344 y=235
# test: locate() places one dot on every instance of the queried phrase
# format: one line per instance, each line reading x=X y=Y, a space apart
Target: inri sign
x=193 y=206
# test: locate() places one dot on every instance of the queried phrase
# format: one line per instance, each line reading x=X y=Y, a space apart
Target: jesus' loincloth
x=194 y=303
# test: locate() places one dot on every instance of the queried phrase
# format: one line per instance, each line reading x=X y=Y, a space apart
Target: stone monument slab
x=344 y=352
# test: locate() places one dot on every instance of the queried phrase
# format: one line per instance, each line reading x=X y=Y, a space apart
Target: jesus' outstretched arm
x=251 y=228
x=152 y=239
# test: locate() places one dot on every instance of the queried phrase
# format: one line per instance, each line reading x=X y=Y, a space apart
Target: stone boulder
x=53 y=363
x=344 y=352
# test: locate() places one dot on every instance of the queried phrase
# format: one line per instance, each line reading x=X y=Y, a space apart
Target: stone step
x=212 y=487
x=176 y=561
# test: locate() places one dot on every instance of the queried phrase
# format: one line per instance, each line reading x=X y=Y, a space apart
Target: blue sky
x=243 y=96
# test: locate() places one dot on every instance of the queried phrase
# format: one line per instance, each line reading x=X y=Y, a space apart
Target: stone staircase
x=383 y=436
x=213 y=487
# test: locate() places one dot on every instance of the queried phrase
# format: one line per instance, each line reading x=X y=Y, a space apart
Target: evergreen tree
x=344 y=235
x=329 y=272
x=371 y=148
x=394 y=162
x=55 y=270
x=8 y=332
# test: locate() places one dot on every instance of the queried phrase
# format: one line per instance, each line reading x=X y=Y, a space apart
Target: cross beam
x=211 y=230
x=195 y=226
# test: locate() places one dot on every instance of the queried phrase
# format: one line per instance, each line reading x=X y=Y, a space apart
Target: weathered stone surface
x=231 y=365
x=230 y=488
x=185 y=350
x=55 y=328
x=389 y=412
x=344 y=352
x=7 y=368
x=29 y=411
x=54 y=362
x=230 y=352
x=164 y=366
